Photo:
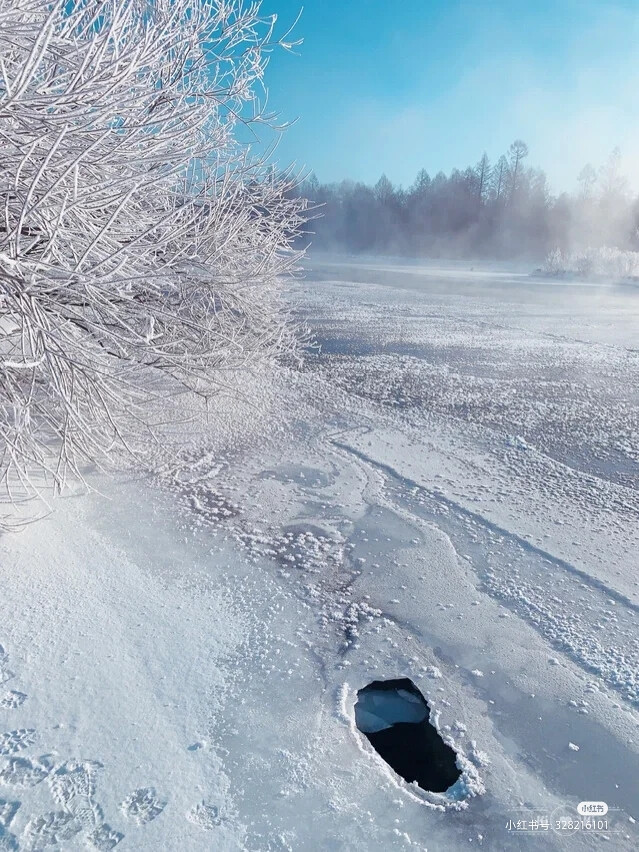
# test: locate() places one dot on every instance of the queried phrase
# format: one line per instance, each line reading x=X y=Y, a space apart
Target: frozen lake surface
x=446 y=490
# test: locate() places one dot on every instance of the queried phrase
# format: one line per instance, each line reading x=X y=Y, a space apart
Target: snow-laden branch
x=137 y=231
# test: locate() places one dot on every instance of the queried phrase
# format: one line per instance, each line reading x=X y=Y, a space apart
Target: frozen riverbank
x=447 y=493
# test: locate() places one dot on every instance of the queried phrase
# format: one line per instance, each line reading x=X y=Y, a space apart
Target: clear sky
x=382 y=86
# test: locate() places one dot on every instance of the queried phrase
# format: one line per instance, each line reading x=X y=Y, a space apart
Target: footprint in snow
x=72 y=785
x=24 y=772
x=143 y=805
x=104 y=838
x=205 y=816
x=5 y=673
x=50 y=829
x=74 y=779
x=7 y=812
x=8 y=841
x=12 y=700
x=14 y=741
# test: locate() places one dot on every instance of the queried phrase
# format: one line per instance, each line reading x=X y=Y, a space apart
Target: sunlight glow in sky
x=391 y=87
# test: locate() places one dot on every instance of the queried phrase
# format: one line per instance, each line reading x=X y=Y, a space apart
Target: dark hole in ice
x=394 y=716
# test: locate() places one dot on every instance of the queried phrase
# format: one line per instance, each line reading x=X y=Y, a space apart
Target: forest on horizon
x=501 y=210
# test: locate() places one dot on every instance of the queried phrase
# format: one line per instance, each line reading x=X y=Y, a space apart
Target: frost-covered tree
x=421 y=184
x=518 y=151
x=500 y=177
x=383 y=189
x=138 y=235
x=612 y=183
x=482 y=172
x=586 y=178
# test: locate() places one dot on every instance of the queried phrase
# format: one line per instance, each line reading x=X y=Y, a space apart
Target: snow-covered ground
x=447 y=492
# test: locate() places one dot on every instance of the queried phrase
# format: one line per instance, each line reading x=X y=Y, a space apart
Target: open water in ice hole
x=394 y=716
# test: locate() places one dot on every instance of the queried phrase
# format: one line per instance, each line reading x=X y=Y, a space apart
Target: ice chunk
x=381 y=707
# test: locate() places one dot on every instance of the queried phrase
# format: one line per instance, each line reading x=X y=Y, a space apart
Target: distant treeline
x=500 y=210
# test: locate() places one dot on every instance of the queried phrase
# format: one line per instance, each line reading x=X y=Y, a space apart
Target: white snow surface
x=447 y=493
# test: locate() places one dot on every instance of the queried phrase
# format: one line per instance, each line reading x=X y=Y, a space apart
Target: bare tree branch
x=137 y=233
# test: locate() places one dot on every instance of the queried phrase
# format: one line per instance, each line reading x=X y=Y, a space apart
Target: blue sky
x=380 y=86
